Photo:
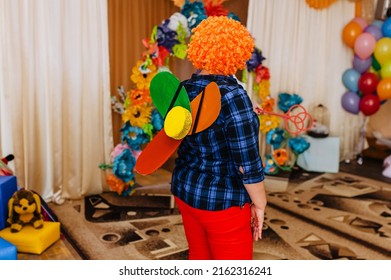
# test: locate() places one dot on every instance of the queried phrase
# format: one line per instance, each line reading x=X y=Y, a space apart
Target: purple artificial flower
x=166 y=37
x=255 y=60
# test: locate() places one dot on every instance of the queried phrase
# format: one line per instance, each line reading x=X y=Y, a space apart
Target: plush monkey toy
x=24 y=207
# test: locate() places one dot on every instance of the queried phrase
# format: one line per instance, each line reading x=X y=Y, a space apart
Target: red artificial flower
x=215 y=8
x=262 y=73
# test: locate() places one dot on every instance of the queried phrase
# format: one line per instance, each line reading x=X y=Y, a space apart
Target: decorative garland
x=141 y=119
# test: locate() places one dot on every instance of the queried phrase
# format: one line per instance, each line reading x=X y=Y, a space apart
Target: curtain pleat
x=56 y=88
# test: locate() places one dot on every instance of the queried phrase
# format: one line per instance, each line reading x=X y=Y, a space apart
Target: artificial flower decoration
x=148 y=130
x=154 y=54
x=179 y=21
x=224 y=35
x=264 y=89
x=139 y=96
x=123 y=165
x=270 y=166
x=179 y=50
x=255 y=60
x=129 y=188
x=134 y=136
x=194 y=11
x=178 y=3
x=215 y=8
x=262 y=73
x=138 y=115
x=298 y=145
x=286 y=101
x=275 y=137
x=118 y=150
x=268 y=104
x=115 y=183
x=268 y=122
x=152 y=48
x=165 y=36
x=163 y=54
x=233 y=16
x=157 y=120
x=118 y=104
x=142 y=74
x=280 y=156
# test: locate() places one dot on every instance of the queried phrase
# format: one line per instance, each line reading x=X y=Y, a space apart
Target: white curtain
x=306 y=55
x=55 y=94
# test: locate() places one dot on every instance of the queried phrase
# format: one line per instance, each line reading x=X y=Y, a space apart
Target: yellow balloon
x=382 y=50
x=385 y=71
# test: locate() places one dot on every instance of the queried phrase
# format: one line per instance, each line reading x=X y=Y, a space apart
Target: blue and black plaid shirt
x=206 y=174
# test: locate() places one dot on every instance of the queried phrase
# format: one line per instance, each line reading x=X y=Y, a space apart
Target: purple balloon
x=374 y=30
x=361 y=65
x=351 y=102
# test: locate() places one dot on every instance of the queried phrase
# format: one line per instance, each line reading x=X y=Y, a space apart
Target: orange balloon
x=350 y=33
x=384 y=89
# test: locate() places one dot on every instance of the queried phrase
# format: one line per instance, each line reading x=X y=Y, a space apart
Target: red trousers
x=217 y=235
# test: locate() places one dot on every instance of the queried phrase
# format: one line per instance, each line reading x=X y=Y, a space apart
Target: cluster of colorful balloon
x=368 y=82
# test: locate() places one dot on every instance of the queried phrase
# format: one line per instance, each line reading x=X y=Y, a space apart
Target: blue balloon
x=386 y=28
x=350 y=79
x=350 y=101
x=378 y=23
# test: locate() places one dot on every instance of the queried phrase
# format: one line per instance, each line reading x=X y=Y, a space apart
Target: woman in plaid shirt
x=218 y=176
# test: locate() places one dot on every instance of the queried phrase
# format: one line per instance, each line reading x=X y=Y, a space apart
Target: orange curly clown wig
x=220 y=45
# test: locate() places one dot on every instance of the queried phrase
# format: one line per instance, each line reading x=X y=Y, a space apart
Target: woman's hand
x=257 y=218
x=257 y=108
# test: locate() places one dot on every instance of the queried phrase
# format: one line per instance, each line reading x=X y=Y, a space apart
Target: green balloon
x=375 y=64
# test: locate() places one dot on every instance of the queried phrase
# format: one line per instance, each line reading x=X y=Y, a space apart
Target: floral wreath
x=141 y=119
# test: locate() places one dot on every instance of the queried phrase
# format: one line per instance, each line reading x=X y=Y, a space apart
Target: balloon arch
x=368 y=81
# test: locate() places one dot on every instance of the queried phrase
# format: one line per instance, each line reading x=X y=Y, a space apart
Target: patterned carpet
x=315 y=216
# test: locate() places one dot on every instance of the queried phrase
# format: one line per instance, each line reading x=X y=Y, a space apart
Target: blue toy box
x=8 y=251
x=8 y=186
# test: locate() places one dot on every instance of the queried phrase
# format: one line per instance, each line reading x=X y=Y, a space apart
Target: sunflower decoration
x=138 y=115
x=142 y=74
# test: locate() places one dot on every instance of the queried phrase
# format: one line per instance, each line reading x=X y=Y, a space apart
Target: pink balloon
x=364 y=45
x=362 y=22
